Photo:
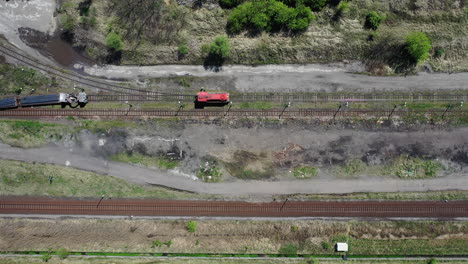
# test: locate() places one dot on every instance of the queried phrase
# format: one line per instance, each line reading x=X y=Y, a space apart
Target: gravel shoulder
x=54 y=155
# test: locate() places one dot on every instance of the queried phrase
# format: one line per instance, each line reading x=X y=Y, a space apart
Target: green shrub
x=294 y=228
x=183 y=50
x=325 y=245
x=230 y=3
x=156 y=243
x=315 y=5
x=46 y=257
x=304 y=172
x=191 y=226
x=62 y=253
x=439 y=52
x=268 y=15
x=67 y=22
x=288 y=249
x=114 y=41
x=342 y=8
x=373 y=20
x=219 y=47
x=432 y=261
x=418 y=46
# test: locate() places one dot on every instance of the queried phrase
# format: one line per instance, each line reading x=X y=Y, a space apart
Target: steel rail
x=136 y=113
x=293 y=98
x=223 y=208
x=86 y=81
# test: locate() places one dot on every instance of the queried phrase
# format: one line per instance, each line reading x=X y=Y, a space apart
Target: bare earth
x=141 y=175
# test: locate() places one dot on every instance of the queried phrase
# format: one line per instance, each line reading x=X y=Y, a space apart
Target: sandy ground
x=292 y=78
x=55 y=155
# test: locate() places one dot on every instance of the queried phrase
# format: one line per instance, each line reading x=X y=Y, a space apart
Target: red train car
x=205 y=97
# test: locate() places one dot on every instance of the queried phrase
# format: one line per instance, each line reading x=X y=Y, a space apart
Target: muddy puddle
x=54 y=47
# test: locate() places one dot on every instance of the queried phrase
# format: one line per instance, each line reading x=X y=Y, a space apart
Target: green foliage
x=315 y=5
x=418 y=46
x=15 y=79
x=68 y=22
x=157 y=243
x=46 y=257
x=230 y=3
x=304 y=172
x=432 y=261
x=325 y=245
x=373 y=20
x=183 y=50
x=209 y=173
x=62 y=253
x=288 y=249
x=269 y=15
x=294 y=228
x=191 y=226
x=410 y=167
x=353 y=167
x=219 y=47
x=342 y=8
x=114 y=41
x=439 y=52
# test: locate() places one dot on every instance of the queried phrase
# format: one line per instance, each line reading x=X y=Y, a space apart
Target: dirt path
x=58 y=156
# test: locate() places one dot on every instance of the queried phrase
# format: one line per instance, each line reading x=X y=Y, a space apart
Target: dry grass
x=20 y=178
x=241 y=237
x=102 y=260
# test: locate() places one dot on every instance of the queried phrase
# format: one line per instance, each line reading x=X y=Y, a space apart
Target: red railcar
x=204 y=98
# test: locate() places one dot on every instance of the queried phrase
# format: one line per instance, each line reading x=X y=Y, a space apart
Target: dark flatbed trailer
x=41 y=100
x=8 y=103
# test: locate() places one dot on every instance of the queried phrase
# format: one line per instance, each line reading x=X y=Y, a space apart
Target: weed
x=325 y=245
x=191 y=226
x=184 y=82
x=209 y=171
x=294 y=228
x=304 y=172
x=62 y=253
x=46 y=257
x=156 y=243
x=354 y=166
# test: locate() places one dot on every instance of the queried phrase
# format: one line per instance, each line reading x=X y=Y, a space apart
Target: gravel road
x=58 y=156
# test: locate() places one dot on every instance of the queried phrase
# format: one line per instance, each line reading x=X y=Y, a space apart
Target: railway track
x=136 y=113
x=128 y=94
x=285 y=98
x=81 y=80
x=233 y=209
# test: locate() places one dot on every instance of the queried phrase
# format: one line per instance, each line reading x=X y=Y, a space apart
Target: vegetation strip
x=224 y=255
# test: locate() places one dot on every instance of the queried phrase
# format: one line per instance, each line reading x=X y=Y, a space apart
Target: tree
x=300 y=19
x=114 y=41
x=373 y=20
x=418 y=46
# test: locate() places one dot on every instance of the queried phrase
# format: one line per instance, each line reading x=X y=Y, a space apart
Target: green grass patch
x=304 y=172
x=139 y=159
x=20 y=178
x=407 y=167
x=26 y=134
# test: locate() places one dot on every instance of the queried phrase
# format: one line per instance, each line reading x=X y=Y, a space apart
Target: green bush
x=183 y=50
x=439 y=52
x=325 y=245
x=62 y=253
x=432 y=261
x=114 y=41
x=373 y=20
x=219 y=47
x=46 y=257
x=67 y=22
x=315 y=5
x=230 y=3
x=191 y=226
x=418 y=46
x=268 y=15
x=342 y=8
